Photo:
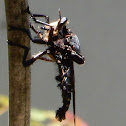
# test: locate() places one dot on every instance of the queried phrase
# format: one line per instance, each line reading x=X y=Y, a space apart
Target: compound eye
x=63 y=20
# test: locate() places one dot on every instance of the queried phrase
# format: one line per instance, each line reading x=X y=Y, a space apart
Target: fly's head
x=59 y=27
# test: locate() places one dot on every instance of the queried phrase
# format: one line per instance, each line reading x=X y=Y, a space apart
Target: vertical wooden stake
x=19 y=76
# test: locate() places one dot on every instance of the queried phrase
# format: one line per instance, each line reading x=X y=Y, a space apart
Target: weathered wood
x=19 y=76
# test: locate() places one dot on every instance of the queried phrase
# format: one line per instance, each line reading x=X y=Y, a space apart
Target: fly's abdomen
x=66 y=88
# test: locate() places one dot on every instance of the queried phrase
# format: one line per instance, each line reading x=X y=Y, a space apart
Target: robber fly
x=63 y=48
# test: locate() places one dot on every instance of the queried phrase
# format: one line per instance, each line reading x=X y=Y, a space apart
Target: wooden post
x=19 y=76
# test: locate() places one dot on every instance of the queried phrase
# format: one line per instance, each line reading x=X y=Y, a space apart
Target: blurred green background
x=101 y=82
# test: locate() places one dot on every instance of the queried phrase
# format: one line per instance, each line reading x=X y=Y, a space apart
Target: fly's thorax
x=73 y=41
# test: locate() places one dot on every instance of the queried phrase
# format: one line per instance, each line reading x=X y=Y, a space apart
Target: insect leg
x=45 y=59
x=77 y=57
x=37 y=15
x=37 y=21
x=40 y=15
x=26 y=50
x=27 y=62
x=40 y=55
x=32 y=59
x=40 y=22
x=27 y=31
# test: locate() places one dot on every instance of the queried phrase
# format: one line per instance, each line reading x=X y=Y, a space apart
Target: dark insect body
x=63 y=48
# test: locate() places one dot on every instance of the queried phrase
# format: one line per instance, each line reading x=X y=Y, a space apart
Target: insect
x=63 y=48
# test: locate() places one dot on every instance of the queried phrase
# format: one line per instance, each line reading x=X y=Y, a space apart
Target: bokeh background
x=101 y=82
